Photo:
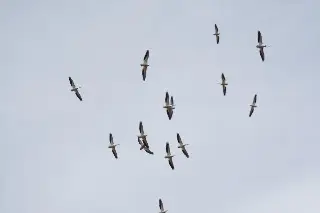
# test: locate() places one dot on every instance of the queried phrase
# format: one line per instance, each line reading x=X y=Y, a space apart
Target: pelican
x=169 y=156
x=144 y=145
x=161 y=207
x=260 y=45
x=113 y=146
x=182 y=146
x=217 y=33
x=145 y=65
x=142 y=135
x=253 y=105
x=75 y=89
x=169 y=106
x=223 y=84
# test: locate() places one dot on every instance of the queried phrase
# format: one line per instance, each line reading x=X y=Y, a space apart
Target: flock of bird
x=169 y=106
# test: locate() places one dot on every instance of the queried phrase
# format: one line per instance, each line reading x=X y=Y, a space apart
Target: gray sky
x=53 y=148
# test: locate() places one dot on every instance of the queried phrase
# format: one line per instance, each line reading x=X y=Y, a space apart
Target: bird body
x=253 y=105
x=145 y=65
x=112 y=146
x=217 y=34
x=169 y=105
x=75 y=89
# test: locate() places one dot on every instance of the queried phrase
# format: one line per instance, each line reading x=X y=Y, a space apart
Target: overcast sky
x=54 y=155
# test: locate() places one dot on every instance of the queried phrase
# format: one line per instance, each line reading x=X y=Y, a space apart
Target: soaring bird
x=113 y=146
x=169 y=156
x=161 y=207
x=182 y=146
x=75 y=89
x=253 y=105
x=260 y=45
x=144 y=145
x=145 y=65
x=169 y=105
x=217 y=33
x=223 y=84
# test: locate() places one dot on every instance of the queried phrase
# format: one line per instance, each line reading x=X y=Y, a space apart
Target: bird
x=182 y=146
x=145 y=65
x=253 y=105
x=113 y=146
x=260 y=45
x=161 y=207
x=169 y=106
x=142 y=135
x=169 y=156
x=75 y=89
x=217 y=33
x=223 y=84
x=144 y=145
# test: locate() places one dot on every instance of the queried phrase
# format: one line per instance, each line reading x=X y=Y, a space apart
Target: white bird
x=145 y=65
x=161 y=207
x=144 y=145
x=75 y=89
x=169 y=106
x=113 y=146
x=260 y=45
x=223 y=84
x=217 y=33
x=182 y=146
x=253 y=105
x=169 y=156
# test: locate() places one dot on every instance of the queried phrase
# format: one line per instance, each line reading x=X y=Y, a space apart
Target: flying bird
x=144 y=145
x=161 y=207
x=182 y=146
x=223 y=84
x=169 y=105
x=145 y=65
x=169 y=156
x=260 y=45
x=217 y=33
x=75 y=89
x=253 y=105
x=113 y=146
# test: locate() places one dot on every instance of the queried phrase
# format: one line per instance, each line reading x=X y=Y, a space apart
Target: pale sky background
x=53 y=148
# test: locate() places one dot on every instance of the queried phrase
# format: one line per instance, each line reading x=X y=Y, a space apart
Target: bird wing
x=144 y=73
x=78 y=95
x=251 y=111
x=179 y=138
x=71 y=82
x=255 y=99
x=168 y=148
x=146 y=57
x=160 y=205
x=217 y=38
x=259 y=37
x=185 y=153
x=111 y=138
x=169 y=113
x=262 y=54
x=224 y=90
x=141 y=128
x=115 y=153
x=223 y=78
x=171 y=163
x=145 y=142
x=216 y=28
x=171 y=101
x=148 y=151
x=167 y=98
